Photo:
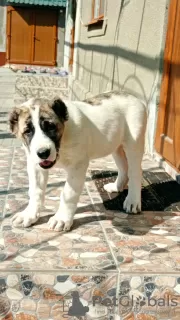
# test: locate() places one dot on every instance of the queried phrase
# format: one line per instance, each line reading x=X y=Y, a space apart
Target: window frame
x=100 y=17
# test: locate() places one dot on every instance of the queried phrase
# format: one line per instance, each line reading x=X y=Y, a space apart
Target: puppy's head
x=39 y=124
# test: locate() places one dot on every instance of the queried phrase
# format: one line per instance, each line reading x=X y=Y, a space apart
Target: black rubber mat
x=159 y=191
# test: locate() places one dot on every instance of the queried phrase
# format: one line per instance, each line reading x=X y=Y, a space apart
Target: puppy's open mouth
x=47 y=164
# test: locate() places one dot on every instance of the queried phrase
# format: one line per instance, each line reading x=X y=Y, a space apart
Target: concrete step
x=6 y=103
x=7 y=89
x=7 y=82
x=6 y=71
x=3 y=95
x=7 y=75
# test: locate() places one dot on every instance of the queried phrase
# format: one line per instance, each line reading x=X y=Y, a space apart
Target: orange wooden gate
x=32 y=36
x=168 y=127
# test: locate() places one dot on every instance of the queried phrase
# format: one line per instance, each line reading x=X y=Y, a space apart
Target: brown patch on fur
x=54 y=112
x=13 y=120
x=52 y=115
x=55 y=109
x=47 y=113
x=97 y=100
x=18 y=119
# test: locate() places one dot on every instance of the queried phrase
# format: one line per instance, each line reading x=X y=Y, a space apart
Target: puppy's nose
x=43 y=153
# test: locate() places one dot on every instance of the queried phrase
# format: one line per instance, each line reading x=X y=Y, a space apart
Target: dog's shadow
x=160 y=193
x=160 y=197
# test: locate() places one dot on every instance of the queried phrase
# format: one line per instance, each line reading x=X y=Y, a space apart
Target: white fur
x=40 y=139
x=116 y=127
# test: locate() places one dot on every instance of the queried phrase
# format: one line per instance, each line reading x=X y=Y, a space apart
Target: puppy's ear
x=13 y=120
x=60 y=109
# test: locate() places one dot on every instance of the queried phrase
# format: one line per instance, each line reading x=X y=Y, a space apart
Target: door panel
x=45 y=37
x=32 y=36
x=20 y=35
x=168 y=127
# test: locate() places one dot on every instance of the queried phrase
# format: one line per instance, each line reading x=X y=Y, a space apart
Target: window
x=98 y=7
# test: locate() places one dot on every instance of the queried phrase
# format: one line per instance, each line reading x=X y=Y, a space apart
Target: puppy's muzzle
x=44 y=153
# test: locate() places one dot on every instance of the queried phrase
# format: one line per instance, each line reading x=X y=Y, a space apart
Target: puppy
x=70 y=134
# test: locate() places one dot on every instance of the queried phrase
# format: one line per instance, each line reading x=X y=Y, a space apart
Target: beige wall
x=61 y=37
x=2 y=26
x=125 y=53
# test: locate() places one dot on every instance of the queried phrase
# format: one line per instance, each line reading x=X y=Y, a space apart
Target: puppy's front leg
x=63 y=219
x=37 y=186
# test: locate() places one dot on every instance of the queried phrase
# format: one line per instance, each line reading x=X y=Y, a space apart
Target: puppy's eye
x=50 y=126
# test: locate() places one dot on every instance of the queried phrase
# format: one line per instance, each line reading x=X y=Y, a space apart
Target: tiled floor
x=110 y=266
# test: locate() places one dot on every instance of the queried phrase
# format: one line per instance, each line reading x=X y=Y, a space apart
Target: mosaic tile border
x=149 y=297
x=56 y=296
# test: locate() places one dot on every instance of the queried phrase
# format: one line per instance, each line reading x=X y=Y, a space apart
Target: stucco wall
x=124 y=53
x=69 y=25
x=2 y=26
x=61 y=37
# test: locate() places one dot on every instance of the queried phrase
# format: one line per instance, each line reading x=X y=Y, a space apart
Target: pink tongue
x=46 y=163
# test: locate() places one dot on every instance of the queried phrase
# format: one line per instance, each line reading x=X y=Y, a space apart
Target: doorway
x=32 y=35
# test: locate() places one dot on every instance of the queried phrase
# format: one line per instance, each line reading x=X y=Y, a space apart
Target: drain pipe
x=76 y=38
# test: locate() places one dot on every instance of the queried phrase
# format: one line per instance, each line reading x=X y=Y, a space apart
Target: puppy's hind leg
x=122 y=178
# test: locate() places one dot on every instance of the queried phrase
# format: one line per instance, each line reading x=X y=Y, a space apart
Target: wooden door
x=168 y=126
x=44 y=37
x=32 y=36
x=19 y=35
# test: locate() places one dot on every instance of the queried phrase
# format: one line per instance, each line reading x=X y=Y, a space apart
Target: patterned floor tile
x=149 y=297
x=108 y=258
x=143 y=249
x=32 y=296
x=85 y=248
x=148 y=242
x=5 y=168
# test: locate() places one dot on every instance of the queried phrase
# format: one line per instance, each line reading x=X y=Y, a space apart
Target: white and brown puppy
x=70 y=134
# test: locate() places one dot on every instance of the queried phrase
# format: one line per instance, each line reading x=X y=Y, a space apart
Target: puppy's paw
x=132 y=206
x=57 y=223
x=116 y=186
x=111 y=187
x=24 y=219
